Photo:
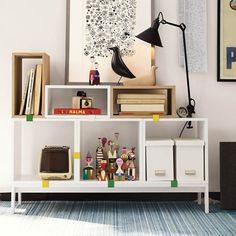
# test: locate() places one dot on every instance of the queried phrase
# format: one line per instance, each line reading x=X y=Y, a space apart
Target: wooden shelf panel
x=17 y=63
x=168 y=90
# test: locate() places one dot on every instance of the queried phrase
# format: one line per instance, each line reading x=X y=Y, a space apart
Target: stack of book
x=31 y=103
x=142 y=104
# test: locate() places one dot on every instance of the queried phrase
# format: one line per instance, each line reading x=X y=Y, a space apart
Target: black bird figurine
x=119 y=66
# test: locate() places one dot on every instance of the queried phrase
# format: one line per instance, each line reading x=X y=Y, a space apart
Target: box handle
x=160 y=172
x=190 y=172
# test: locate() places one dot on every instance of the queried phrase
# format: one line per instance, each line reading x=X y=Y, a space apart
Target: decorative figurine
x=130 y=165
x=99 y=158
x=117 y=147
x=88 y=171
x=82 y=101
x=124 y=157
x=104 y=141
x=92 y=72
x=119 y=175
x=112 y=155
x=76 y=101
x=119 y=66
x=103 y=175
x=97 y=75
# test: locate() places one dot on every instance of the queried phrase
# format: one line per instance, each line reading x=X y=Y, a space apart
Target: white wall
x=33 y=25
x=214 y=100
x=26 y=25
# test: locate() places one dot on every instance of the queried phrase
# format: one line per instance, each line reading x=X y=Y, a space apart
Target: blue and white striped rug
x=103 y=218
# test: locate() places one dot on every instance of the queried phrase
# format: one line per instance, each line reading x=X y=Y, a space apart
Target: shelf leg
x=13 y=199
x=199 y=198
x=206 y=199
x=19 y=194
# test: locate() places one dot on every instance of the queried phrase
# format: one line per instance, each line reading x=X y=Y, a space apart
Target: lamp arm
x=191 y=102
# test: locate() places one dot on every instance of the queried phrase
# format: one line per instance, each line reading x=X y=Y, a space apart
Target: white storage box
x=189 y=159
x=159 y=158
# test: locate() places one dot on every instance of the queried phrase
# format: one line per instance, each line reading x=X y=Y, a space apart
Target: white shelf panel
x=179 y=119
x=45 y=119
x=35 y=181
x=78 y=86
x=104 y=189
x=84 y=117
x=107 y=118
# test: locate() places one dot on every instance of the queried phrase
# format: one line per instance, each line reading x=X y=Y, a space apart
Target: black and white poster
x=97 y=25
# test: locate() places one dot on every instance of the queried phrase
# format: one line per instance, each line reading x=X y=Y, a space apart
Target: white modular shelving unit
x=60 y=96
x=81 y=133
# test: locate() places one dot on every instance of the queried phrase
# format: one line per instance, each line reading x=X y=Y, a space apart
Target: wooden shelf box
x=169 y=91
x=17 y=64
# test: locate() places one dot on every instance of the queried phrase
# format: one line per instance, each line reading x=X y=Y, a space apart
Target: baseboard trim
x=108 y=196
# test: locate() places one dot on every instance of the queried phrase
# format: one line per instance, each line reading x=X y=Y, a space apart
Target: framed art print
x=94 y=26
x=226 y=41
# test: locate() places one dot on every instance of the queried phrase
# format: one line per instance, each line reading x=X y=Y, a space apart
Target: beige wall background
x=33 y=25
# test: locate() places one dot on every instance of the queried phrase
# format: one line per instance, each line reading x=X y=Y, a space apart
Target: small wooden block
x=156 y=118
x=111 y=184
x=85 y=175
x=45 y=184
x=29 y=118
x=77 y=155
x=174 y=184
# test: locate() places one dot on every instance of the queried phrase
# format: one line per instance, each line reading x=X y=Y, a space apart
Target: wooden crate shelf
x=17 y=63
x=168 y=90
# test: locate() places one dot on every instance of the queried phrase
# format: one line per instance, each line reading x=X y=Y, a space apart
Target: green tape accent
x=111 y=183
x=29 y=118
x=174 y=184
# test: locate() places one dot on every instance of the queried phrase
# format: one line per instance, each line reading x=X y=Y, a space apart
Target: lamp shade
x=151 y=35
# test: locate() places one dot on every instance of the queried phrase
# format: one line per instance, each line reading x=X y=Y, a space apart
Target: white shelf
x=60 y=96
x=81 y=131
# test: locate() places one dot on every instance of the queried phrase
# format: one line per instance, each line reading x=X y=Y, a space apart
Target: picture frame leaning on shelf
x=81 y=44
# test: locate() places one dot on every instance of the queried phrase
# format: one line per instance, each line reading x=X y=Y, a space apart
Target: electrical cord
x=180 y=135
x=189 y=123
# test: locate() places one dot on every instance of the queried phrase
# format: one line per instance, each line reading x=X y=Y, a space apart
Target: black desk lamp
x=151 y=35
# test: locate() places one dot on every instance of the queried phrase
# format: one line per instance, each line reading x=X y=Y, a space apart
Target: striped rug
x=102 y=218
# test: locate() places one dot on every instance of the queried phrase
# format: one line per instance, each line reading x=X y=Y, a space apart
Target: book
x=37 y=89
x=141 y=96
x=141 y=101
x=142 y=107
x=30 y=92
x=77 y=111
x=23 y=101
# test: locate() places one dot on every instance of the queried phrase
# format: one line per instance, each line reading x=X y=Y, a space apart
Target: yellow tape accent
x=156 y=118
x=45 y=184
x=77 y=155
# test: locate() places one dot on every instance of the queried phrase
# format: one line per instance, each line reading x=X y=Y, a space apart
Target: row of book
x=141 y=104
x=31 y=103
